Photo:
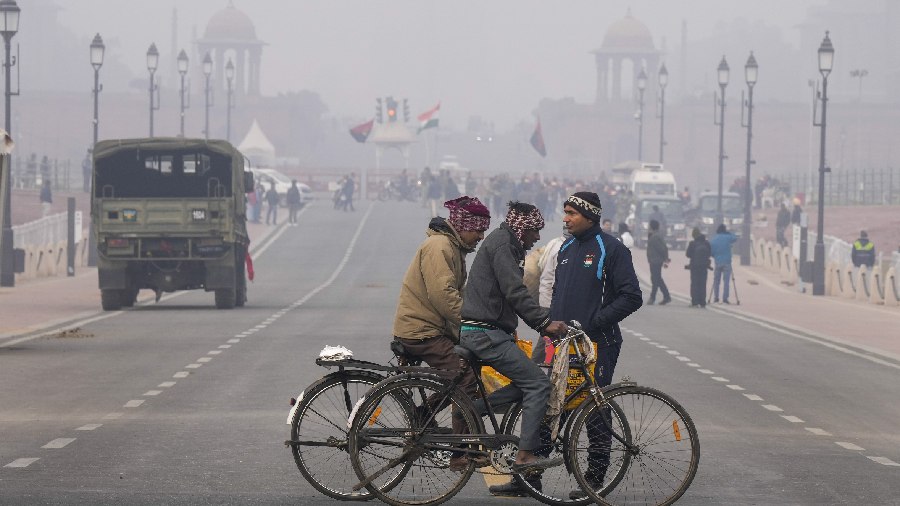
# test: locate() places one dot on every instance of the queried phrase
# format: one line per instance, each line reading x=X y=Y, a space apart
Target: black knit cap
x=586 y=203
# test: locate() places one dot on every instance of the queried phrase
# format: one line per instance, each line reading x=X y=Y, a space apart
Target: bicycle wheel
x=648 y=457
x=385 y=447
x=320 y=422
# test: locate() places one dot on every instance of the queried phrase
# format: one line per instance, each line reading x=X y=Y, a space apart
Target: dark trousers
x=599 y=436
x=272 y=213
x=698 y=285
x=292 y=216
x=656 y=282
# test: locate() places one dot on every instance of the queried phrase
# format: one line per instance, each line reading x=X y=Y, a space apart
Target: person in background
x=699 y=254
x=720 y=246
x=257 y=205
x=625 y=236
x=293 y=202
x=781 y=223
x=347 y=193
x=797 y=211
x=46 y=197
x=607 y=226
x=272 y=202
x=863 y=251
x=658 y=258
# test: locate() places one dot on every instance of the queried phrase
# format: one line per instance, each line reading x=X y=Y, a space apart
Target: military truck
x=169 y=214
x=675 y=231
x=704 y=215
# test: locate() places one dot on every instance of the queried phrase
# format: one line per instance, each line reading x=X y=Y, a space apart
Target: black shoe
x=665 y=301
x=726 y=302
x=514 y=489
x=577 y=493
x=537 y=465
x=651 y=302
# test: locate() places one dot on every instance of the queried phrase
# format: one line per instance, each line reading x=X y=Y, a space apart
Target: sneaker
x=514 y=489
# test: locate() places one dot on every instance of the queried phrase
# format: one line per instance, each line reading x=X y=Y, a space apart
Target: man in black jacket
x=657 y=257
x=699 y=253
x=597 y=286
x=495 y=297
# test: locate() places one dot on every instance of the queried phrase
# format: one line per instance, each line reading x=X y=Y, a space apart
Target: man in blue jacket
x=597 y=286
x=721 y=251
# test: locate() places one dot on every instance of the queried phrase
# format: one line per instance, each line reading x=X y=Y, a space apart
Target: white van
x=652 y=179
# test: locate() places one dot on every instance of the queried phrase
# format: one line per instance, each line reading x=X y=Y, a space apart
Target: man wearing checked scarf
x=495 y=297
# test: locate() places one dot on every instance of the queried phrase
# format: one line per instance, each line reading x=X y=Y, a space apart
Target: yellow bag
x=492 y=379
x=576 y=378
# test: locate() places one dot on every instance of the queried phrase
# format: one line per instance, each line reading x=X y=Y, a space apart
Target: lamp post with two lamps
x=182 y=69
x=723 y=82
x=229 y=78
x=826 y=63
x=9 y=25
x=207 y=72
x=751 y=72
x=663 y=76
x=641 y=85
x=152 y=64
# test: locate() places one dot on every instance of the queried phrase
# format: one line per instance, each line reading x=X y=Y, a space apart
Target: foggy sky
x=490 y=58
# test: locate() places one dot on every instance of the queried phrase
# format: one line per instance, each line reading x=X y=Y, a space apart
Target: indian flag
x=429 y=118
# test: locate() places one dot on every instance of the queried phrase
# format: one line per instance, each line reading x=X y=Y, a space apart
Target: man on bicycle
x=428 y=310
x=494 y=298
x=596 y=285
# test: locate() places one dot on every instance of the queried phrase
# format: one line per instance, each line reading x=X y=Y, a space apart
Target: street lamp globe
x=97 y=51
x=9 y=18
x=723 y=72
x=826 y=56
x=207 y=65
x=152 y=58
x=182 y=62
x=751 y=70
x=229 y=70
x=663 y=76
x=642 y=80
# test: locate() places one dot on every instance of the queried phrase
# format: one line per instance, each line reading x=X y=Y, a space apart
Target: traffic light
x=405 y=111
x=378 y=116
x=391 y=109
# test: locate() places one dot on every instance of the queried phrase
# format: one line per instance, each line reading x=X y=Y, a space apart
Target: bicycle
x=400 y=442
x=318 y=423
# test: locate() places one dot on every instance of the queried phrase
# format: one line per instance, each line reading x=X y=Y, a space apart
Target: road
x=178 y=403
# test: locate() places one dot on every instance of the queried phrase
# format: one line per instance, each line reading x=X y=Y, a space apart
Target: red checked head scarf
x=468 y=214
x=520 y=220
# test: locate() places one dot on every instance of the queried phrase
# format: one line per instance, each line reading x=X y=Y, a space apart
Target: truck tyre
x=225 y=298
x=111 y=300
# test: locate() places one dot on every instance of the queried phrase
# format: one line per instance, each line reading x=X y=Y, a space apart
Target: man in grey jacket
x=494 y=299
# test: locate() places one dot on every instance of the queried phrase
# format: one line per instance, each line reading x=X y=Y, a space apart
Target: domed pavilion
x=230 y=34
x=627 y=48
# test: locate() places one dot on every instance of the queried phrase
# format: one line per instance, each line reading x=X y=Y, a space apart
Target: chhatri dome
x=230 y=23
x=628 y=33
x=231 y=36
x=627 y=48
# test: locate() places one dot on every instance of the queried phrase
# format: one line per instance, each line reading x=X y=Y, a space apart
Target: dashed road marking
x=193 y=366
x=693 y=364
x=883 y=460
x=181 y=374
x=645 y=339
x=719 y=378
x=213 y=352
x=817 y=431
x=673 y=352
x=166 y=384
x=90 y=426
x=662 y=346
x=61 y=442
x=224 y=346
x=112 y=416
x=204 y=359
x=705 y=371
x=152 y=392
x=849 y=446
x=24 y=462
x=683 y=358
x=753 y=397
x=133 y=403
x=735 y=387
x=233 y=341
x=792 y=419
x=772 y=407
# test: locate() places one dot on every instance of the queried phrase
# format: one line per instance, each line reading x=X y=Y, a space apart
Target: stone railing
x=44 y=242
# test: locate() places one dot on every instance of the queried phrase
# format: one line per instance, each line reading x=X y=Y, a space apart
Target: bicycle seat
x=467 y=355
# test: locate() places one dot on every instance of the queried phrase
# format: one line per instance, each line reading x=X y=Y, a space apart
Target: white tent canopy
x=257 y=147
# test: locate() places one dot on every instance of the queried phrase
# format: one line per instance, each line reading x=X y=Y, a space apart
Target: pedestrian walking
x=272 y=203
x=46 y=198
x=720 y=247
x=796 y=212
x=625 y=235
x=347 y=193
x=658 y=258
x=699 y=256
x=782 y=221
x=863 y=252
x=293 y=202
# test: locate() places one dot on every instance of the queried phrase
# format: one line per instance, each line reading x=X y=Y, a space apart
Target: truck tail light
x=116 y=243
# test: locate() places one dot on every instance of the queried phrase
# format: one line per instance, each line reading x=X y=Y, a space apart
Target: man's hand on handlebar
x=556 y=329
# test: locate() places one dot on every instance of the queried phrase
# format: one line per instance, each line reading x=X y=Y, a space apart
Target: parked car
x=676 y=232
x=282 y=185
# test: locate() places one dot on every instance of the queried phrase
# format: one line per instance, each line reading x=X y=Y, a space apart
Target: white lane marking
x=232 y=341
x=817 y=431
x=662 y=346
x=90 y=426
x=166 y=384
x=772 y=407
x=133 y=403
x=792 y=419
x=849 y=446
x=645 y=339
x=735 y=387
x=883 y=460
x=25 y=462
x=213 y=352
x=693 y=364
x=181 y=374
x=673 y=352
x=112 y=416
x=152 y=392
x=753 y=397
x=705 y=371
x=204 y=359
x=193 y=366
x=683 y=358
x=719 y=378
x=59 y=443
x=654 y=343
x=224 y=346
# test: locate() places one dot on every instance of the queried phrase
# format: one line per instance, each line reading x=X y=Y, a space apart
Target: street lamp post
x=723 y=82
x=641 y=85
x=182 y=69
x=9 y=25
x=859 y=74
x=97 y=51
x=229 y=78
x=663 y=81
x=207 y=71
x=826 y=63
x=152 y=63
x=751 y=71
